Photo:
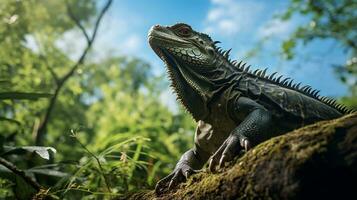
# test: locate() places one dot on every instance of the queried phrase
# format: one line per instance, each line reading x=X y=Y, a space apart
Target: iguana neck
x=195 y=90
x=192 y=101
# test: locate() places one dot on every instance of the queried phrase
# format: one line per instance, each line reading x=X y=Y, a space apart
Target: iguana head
x=194 y=64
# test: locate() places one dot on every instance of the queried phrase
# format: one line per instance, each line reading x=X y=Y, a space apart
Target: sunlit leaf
x=287 y=48
x=43 y=152
x=49 y=172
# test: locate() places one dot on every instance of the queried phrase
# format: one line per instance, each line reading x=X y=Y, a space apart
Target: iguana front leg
x=253 y=129
x=190 y=162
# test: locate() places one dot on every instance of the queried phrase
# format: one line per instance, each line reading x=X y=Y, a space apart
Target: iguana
x=235 y=108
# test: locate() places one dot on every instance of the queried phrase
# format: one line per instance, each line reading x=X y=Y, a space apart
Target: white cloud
x=221 y=1
x=215 y=14
x=228 y=17
x=276 y=28
x=131 y=44
x=229 y=26
x=72 y=43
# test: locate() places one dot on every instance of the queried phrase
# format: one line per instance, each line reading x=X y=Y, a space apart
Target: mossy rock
x=315 y=162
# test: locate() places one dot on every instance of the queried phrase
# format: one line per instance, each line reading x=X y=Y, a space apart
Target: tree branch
x=78 y=23
x=20 y=173
x=53 y=73
x=43 y=127
x=90 y=42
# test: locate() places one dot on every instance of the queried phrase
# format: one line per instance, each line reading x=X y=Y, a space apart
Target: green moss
x=282 y=167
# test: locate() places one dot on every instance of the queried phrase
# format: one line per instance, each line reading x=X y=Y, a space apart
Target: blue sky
x=238 y=24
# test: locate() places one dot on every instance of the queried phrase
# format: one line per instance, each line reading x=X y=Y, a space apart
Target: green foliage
x=5 y=189
x=287 y=47
x=329 y=19
x=111 y=131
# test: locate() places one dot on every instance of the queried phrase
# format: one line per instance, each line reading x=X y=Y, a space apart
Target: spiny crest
x=216 y=42
x=206 y=37
x=224 y=53
x=307 y=89
x=282 y=81
x=180 y=98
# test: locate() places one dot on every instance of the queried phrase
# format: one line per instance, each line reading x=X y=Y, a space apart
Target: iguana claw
x=181 y=173
x=228 y=150
x=245 y=144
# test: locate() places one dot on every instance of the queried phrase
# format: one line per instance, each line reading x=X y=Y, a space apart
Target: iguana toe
x=245 y=144
x=179 y=175
x=228 y=150
x=174 y=180
x=161 y=185
x=222 y=161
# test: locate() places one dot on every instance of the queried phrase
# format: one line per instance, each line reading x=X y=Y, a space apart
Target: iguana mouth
x=157 y=36
x=172 y=65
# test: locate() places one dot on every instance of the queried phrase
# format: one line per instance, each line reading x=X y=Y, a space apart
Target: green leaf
x=10 y=120
x=5 y=173
x=2 y=141
x=23 y=190
x=4 y=81
x=23 y=95
x=48 y=172
x=288 y=47
x=43 y=152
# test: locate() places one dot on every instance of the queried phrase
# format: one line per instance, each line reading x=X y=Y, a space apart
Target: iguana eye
x=184 y=31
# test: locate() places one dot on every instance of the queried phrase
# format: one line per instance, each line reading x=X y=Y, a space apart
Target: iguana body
x=234 y=107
